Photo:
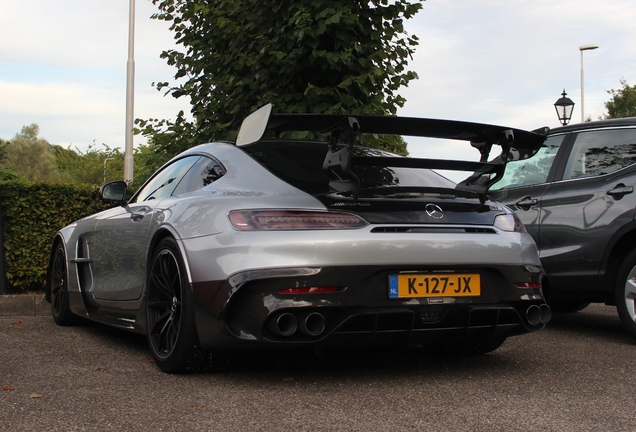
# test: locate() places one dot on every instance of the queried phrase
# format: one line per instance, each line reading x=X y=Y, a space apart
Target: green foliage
x=33 y=211
x=623 y=102
x=3 y=143
x=31 y=214
x=148 y=159
x=317 y=56
x=7 y=174
x=95 y=166
x=30 y=156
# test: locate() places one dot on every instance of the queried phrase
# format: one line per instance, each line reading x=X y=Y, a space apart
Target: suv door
x=583 y=211
x=524 y=183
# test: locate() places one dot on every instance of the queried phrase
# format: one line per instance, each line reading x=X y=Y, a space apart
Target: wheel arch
x=619 y=246
x=161 y=234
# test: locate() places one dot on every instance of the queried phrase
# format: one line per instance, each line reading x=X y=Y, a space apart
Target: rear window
x=300 y=164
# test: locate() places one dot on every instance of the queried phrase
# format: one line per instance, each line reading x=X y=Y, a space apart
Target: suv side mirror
x=114 y=192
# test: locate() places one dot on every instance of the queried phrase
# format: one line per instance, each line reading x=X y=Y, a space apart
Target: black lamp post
x=564 y=107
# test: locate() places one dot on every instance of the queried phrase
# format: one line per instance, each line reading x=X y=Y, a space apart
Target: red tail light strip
x=268 y=220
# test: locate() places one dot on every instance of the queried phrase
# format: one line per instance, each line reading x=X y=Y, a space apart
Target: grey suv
x=576 y=198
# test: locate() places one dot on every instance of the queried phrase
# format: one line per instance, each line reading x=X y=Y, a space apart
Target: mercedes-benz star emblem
x=434 y=211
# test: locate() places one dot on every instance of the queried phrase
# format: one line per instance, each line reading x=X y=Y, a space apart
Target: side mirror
x=114 y=192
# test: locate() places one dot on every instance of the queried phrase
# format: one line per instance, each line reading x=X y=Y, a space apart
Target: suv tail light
x=271 y=220
x=509 y=222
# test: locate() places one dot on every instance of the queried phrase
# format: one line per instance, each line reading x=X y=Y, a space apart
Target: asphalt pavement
x=578 y=374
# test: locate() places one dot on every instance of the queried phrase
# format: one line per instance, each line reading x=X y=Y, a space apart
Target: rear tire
x=172 y=335
x=58 y=284
x=626 y=293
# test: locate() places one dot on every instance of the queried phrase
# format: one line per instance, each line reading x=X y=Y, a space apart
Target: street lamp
x=564 y=107
x=582 y=48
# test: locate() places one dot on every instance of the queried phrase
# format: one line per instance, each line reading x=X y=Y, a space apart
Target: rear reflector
x=529 y=285
x=267 y=220
x=312 y=290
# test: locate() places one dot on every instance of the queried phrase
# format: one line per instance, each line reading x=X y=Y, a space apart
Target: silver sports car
x=277 y=242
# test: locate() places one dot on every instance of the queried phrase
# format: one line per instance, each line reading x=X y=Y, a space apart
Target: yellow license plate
x=411 y=285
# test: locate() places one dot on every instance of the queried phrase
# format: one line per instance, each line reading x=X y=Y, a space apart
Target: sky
x=63 y=65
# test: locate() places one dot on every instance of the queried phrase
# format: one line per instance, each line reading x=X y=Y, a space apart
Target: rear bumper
x=248 y=310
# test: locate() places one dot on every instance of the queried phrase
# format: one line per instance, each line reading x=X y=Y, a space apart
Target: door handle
x=620 y=190
x=136 y=217
x=526 y=202
x=140 y=213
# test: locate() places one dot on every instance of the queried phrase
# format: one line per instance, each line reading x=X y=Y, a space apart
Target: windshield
x=531 y=171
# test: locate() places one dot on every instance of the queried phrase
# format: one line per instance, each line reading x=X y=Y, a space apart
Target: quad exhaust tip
x=287 y=324
x=284 y=325
x=538 y=314
x=312 y=325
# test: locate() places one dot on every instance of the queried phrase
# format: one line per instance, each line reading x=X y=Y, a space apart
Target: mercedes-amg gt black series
x=275 y=242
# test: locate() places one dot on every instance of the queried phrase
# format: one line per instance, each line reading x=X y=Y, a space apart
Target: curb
x=24 y=305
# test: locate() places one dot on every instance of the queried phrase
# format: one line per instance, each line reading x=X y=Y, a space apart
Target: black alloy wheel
x=58 y=283
x=626 y=293
x=171 y=331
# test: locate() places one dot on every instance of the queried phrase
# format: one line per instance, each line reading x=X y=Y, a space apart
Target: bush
x=31 y=215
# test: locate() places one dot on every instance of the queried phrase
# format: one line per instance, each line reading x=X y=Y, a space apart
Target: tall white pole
x=584 y=48
x=130 y=96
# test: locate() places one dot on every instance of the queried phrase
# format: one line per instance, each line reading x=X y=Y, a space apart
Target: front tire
x=626 y=293
x=172 y=335
x=58 y=284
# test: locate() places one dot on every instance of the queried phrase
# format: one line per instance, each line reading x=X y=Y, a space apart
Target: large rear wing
x=342 y=129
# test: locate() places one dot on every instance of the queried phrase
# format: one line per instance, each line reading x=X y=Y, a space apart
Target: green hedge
x=31 y=215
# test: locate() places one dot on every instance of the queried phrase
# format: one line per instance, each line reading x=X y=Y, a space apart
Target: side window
x=534 y=170
x=203 y=173
x=165 y=181
x=601 y=152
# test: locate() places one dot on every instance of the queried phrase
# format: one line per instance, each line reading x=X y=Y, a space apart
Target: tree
x=317 y=56
x=95 y=166
x=3 y=144
x=623 y=102
x=148 y=159
x=30 y=156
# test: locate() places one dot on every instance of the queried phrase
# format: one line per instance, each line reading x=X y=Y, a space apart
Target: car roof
x=597 y=124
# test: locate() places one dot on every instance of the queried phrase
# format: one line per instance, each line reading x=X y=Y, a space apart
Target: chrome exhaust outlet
x=546 y=313
x=284 y=325
x=533 y=315
x=312 y=324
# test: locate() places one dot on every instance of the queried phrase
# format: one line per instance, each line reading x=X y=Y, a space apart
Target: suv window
x=601 y=152
x=534 y=170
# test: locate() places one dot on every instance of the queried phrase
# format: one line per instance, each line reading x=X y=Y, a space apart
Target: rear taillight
x=268 y=220
x=528 y=285
x=509 y=222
